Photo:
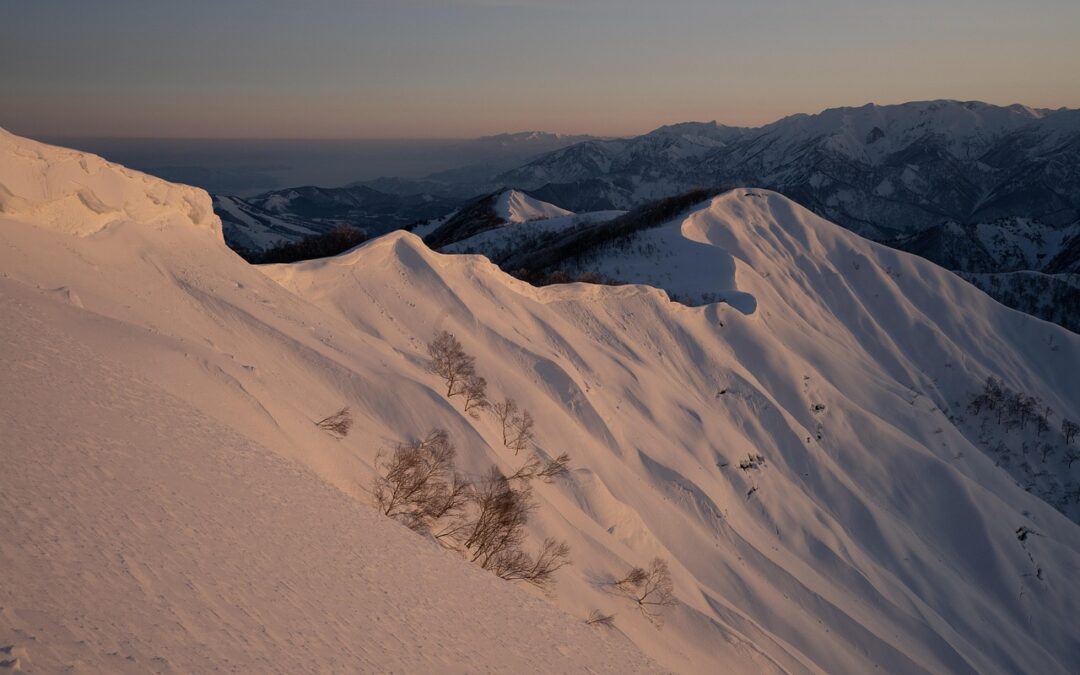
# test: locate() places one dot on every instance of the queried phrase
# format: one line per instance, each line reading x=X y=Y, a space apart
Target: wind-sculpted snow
x=803 y=468
x=81 y=193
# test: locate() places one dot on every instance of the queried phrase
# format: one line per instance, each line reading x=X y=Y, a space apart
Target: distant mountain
x=504 y=224
x=376 y=206
x=484 y=159
x=846 y=461
x=282 y=216
x=980 y=189
x=1022 y=263
x=977 y=188
x=878 y=170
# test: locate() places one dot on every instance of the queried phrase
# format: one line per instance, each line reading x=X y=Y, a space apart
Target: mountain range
x=990 y=192
x=849 y=459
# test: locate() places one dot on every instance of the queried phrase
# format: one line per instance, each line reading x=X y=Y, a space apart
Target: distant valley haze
x=459 y=69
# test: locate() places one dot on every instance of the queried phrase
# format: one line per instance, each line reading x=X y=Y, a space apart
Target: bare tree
x=1071 y=456
x=419 y=483
x=450 y=362
x=475 y=392
x=1028 y=408
x=650 y=587
x=1042 y=420
x=1069 y=429
x=505 y=412
x=521 y=432
x=497 y=532
x=501 y=514
x=448 y=511
x=598 y=618
x=337 y=424
x=990 y=397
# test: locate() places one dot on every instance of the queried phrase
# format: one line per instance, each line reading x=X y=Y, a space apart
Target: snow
x=162 y=510
x=81 y=194
x=507 y=239
x=517 y=207
x=197 y=520
x=247 y=231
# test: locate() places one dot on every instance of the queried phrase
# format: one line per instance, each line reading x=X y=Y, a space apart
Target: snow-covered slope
x=502 y=210
x=249 y=228
x=515 y=206
x=877 y=534
x=166 y=506
x=513 y=239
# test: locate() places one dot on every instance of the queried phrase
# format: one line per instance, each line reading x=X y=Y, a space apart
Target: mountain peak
x=516 y=206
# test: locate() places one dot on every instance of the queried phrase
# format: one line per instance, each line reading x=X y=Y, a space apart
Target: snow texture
x=167 y=503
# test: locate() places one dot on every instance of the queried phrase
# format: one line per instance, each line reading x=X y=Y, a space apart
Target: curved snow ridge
x=517 y=207
x=406 y=252
x=79 y=193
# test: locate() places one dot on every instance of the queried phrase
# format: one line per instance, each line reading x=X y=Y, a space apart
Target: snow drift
x=168 y=392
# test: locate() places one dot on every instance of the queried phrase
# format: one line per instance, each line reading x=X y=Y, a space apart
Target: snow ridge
x=875 y=532
x=82 y=194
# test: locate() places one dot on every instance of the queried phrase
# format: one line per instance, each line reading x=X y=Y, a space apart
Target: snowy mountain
x=802 y=454
x=504 y=225
x=489 y=212
x=283 y=216
x=1023 y=264
x=901 y=173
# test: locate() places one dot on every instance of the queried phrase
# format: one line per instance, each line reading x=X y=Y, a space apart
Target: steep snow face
x=81 y=194
x=879 y=532
x=168 y=393
x=517 y=207
x=192 y=523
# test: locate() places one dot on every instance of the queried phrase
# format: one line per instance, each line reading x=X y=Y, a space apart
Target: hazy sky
x=453 y=68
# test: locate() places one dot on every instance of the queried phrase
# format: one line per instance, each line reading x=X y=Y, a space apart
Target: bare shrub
x=517 y=425
x=497 y=532
x=501 y=514
x=505 y=412
x=337 y=424
x=598 y=618
x=527 y=471
x=634 y=578
x=450 y=362
x=336 y=241
x=650 y=587
x=556 y=468
x=1069 y=430
x=475 y=392
x=517 y=565
x=419 y=483
x=534 y=467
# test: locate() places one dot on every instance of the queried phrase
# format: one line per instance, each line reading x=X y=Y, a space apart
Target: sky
x=463 y=68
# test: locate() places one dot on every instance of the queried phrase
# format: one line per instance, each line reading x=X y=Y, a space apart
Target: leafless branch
x=337 y=424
